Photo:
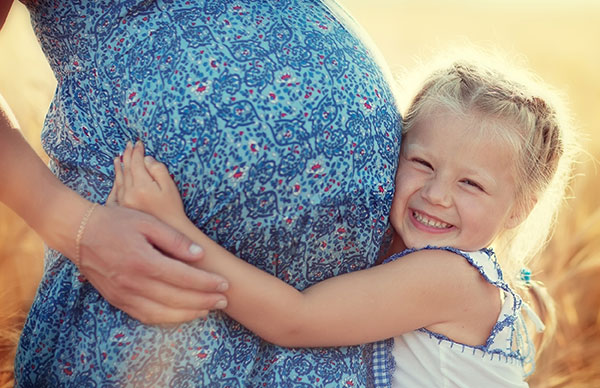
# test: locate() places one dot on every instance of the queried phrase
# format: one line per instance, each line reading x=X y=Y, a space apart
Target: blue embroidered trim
x=481 y=348
x=520 y=347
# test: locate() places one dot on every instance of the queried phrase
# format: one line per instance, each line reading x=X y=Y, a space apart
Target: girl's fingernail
x=223 y=287
x=221 y=304
x=148 y=159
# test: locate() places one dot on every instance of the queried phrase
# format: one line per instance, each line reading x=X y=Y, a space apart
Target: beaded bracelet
x=82 y=225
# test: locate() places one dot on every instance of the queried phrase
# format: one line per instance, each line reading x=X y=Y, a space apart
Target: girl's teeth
x=429 y=222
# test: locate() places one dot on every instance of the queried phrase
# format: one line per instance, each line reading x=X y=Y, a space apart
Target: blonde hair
x=529 y=117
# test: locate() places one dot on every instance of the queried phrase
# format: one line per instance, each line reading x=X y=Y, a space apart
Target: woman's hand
x=145 y=268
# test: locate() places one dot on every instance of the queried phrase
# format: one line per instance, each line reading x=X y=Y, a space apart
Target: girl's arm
x=354 y=308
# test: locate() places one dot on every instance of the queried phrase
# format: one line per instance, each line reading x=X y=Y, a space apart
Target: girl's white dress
x=426 y=359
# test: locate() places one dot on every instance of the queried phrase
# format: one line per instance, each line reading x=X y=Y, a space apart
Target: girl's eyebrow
x=413 y=147
x=481 y=175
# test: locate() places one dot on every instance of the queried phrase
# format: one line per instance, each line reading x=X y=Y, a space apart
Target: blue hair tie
x=525 y=276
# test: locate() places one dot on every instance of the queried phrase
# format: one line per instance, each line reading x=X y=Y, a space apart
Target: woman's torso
x=282 y=135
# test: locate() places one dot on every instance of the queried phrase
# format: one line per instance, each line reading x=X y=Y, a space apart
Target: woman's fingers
x=144 y=307
x=139 y=265
x=149 y=312
x=174 y=287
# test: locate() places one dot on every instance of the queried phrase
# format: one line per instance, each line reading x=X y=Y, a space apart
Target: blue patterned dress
x=282 y=134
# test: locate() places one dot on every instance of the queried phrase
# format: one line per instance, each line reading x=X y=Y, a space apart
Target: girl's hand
x=143 y=183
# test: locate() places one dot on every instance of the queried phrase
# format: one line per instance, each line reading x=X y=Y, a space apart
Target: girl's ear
x=520 y=213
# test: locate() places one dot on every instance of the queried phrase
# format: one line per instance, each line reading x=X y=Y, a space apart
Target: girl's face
x=455 y=184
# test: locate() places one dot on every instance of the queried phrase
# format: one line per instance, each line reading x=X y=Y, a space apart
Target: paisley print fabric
x=282 y=135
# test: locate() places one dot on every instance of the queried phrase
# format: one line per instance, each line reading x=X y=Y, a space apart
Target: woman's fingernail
x=221 y=304
x=223 y=287
x=148 y=159
x=195 y=249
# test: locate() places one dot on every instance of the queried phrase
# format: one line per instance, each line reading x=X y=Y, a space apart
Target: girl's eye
x=423 y=163
x=473 y=184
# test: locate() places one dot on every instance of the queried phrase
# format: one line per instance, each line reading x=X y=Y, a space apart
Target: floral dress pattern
x=282 y=134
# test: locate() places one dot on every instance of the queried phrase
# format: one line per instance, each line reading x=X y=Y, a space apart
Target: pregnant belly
x=278 y=126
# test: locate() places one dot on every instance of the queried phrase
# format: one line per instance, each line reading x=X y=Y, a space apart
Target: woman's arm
x=34 y=193
x=422 y=289
x=117 y=248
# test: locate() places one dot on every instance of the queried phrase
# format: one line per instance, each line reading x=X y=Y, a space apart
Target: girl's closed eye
x=422 y=162
x=473 y=184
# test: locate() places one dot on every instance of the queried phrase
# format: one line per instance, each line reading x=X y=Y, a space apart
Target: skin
x=139 y=264
x=342 y=310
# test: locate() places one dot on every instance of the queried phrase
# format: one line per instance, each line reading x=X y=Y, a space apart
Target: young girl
x=479 y=152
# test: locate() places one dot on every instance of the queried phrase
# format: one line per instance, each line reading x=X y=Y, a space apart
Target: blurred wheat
x=570 y=267
x=561 y=41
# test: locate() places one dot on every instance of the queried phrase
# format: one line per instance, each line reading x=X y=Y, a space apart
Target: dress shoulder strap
x=483 y=260
x=509 y=337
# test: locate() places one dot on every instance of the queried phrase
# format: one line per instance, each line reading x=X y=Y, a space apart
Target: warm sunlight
x=558 y=39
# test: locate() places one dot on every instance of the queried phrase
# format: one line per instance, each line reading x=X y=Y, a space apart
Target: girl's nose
x=436 y=192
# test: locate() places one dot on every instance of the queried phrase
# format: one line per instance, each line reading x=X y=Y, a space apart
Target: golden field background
x=559 y=39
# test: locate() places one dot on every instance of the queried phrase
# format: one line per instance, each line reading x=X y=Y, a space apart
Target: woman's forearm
x=30 y=189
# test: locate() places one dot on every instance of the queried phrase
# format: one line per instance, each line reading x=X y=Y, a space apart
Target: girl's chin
x=421 y=243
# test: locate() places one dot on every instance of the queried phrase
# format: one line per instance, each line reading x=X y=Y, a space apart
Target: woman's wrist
x=82 y=226
x=48 y=206
x=58 y=218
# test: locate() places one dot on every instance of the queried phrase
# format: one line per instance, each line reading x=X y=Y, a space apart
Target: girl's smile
x=429 y=223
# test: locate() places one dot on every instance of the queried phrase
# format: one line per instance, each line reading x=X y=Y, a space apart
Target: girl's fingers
x=158 y=172
x=127 y=176
x=138 y=169
x=118 y=173
x=113 y=197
